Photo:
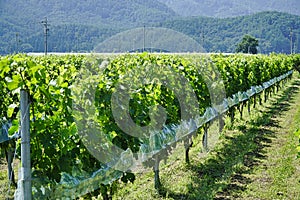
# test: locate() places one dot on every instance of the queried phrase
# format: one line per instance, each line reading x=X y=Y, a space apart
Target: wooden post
x=254 y=101
x=249 y=105
x=205 y=138
x=157 y=183
x=25 y=147
x=221 y=123
x=266 y=94
x=188 y=143
x=231 y=111
x=9 y=152
x=260 y=98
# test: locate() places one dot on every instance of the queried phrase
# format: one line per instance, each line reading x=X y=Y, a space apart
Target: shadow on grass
x=222 y=175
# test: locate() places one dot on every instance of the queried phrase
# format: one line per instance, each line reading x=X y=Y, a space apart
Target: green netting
x=251 y=92
x=232 y=101
x=71 y=187
x=222 y=108
x=4 y=133
x=242 y=96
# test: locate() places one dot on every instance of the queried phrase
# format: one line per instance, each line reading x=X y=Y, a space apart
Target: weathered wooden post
x=205 y=138
x=157 y=183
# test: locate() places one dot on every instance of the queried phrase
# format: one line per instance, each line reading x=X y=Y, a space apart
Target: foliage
x=56 y=147
x=153 y=93
x=296 y=58
x=47 y=81
x=272 y=29
x=297 y=133
x=247 y=45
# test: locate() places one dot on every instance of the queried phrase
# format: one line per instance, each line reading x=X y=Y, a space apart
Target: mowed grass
x=278 y=176
x=3 y=179
x=255 y=158
x=6 y=189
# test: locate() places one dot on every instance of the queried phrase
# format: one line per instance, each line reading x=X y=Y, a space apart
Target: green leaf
x=297 y=133
x=64 y=85
x=60 y=80
x=11 y=109
x=4 y=68
x=14 y=128
x=13 y=83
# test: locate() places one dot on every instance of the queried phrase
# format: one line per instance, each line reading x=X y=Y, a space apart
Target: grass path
x=278 y=174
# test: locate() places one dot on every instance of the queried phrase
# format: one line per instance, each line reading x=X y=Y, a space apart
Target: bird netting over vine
x=76 y=186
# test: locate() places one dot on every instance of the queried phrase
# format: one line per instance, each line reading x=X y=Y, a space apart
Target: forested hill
x=230 y=8
x=79 y=26
x=101 y=12
x=272 y=29
x=74 y=25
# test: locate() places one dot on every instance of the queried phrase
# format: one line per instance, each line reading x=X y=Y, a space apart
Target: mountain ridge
x=231 y=8
x=100 y=12
x=78 y=26
x=222 y=35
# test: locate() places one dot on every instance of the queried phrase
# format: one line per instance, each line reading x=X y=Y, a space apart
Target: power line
x=46 y=30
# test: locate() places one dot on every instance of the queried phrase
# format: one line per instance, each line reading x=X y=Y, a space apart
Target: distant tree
x=248 y=45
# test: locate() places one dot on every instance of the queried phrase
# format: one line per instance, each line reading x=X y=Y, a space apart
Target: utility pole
x=77 y=41
x=17 y=42
x=291 y=38
x=202 y=39
x=297 y=43
x=46 y=30
x=144 y=38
